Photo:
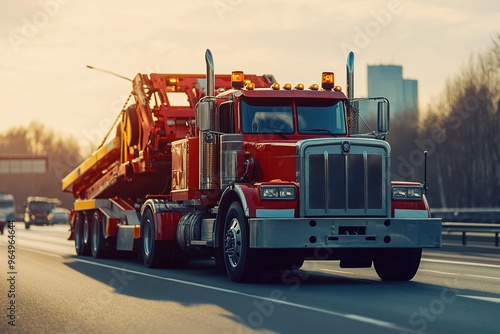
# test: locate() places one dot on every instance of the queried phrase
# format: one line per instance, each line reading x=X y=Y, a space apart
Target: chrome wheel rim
x=232 y=245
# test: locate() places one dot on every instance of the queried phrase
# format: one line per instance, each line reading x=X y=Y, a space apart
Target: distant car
x=59 y=216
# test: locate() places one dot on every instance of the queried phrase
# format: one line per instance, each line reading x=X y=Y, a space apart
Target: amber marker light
x=275 y=86
x=237 y=79
x=327 y=80
x=299 y=86
x=314 y=87
x=250 y=86
x=287 y=86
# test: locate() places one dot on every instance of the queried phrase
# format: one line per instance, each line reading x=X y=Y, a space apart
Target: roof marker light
x=314 y=87
x=299 y=86
x=327 y=80
x=237 y=79
x=275 y=86
x=287 y=86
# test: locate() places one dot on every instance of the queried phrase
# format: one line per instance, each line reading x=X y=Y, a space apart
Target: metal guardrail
x=473 y=220
x=476 y=215
x=472 y=227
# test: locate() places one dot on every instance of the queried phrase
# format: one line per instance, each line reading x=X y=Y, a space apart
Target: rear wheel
x=98 y=241
x=81 y=247
x=153 y=251
x=398 y=264
x=242 y=262
x=159 y=253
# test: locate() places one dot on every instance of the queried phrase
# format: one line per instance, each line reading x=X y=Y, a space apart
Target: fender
x=246 y=195
x=165 y=221
x=409 y=208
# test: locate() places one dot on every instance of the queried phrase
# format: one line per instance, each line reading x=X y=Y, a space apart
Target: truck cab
x=37 y=211
x=7 y=210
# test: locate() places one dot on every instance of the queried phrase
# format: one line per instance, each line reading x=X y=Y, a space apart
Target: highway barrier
x=470 y=220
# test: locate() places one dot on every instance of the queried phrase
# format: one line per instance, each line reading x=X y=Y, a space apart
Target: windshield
x=318 y=116
x=39 y=206
x=267 y=116
x=6 y=204
x=325 y=115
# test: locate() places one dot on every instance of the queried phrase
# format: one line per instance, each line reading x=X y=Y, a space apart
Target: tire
x=154 y=252
x=98 y=244
x=242 y=262
x=27 y=226
x=81 y=247
x=398 y=264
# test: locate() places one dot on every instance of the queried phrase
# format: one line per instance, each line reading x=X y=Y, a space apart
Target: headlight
x=277 y=192
x=415 y=193
x=407 y=193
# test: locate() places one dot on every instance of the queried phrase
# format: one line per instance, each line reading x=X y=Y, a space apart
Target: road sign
x=23 y=164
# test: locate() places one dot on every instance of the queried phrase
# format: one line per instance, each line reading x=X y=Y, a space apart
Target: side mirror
x=203 y=111
x=383 y=117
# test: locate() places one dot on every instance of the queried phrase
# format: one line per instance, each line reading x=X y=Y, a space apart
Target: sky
x=45 y=46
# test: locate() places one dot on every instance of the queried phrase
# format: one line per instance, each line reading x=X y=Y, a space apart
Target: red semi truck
x=255 y=175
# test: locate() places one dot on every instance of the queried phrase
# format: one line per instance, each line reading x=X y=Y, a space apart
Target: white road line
x=40 y=252
x=458 y=274
x=463 y=263
x=488 y=299
x=355 y=317
x=336 y=271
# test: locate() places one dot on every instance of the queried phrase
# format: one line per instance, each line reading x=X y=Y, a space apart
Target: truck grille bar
x=337 y=183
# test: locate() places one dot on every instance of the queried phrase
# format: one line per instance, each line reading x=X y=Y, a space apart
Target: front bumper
x=305 y=233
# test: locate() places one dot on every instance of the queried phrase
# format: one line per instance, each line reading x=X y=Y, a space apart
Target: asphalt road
x=50 y=290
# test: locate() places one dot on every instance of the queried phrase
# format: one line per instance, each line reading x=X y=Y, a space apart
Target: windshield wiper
x=319 y=130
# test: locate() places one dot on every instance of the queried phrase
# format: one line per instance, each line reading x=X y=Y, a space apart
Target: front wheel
x=242 y=262
x=397 y=264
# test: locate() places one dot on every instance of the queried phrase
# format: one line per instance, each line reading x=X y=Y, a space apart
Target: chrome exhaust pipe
x=354 y=108
x=210 y=73
x=350 y=75
x=209 y=143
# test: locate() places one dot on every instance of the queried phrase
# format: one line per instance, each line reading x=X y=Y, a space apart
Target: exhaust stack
x=210 y=72
x=209 y=142
x=354 y=109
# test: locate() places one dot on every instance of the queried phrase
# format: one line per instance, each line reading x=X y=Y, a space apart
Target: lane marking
x=455 y=274
x=349 y=316
x=41 y=252
x=488 y=299
x=336 y=271
x=474 y=264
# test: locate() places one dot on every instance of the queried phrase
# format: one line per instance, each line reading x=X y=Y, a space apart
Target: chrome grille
x=335 y=183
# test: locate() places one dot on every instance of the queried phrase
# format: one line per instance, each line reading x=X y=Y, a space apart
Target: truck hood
x=275 y=159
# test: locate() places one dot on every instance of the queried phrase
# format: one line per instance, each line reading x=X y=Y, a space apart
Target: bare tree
x=36 y=139
x=466 y=158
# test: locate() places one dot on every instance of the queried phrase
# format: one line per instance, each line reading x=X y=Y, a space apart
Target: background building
x=387 y=81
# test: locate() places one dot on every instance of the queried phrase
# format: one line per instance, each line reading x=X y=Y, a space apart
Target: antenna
x=425 y=172
x=109 y=72
x=119 y=114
